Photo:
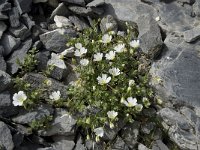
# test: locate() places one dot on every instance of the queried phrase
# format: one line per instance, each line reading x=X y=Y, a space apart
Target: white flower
x=120 y=33
x=19 y=98
x=108 y=25
x=157 y=18
x=135 y=43
x=138 y=107
x=78 y=45
x=106 y=38
x=112 y=114
x=114 y=71
x=119 y=48
x=98 y=56
x=99 y=131
x=104 y=79
x=130 y=102
x=55 y=95
x=80 y=52
x=131 y=82
x=110 y=55
x=84 y=62
x=56 y=61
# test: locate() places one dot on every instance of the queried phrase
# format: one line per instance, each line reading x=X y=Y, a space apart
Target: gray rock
x=37 y=80
x=56 y=40
x=21 y=32
x=80 y=24
x=36 y=31
x=5 y=80
x=26 y=117
x=95 y=3
x=149 y=29
x=130 y=134
x=77 y=2
x=184 y=134
x=82 y=11
x=9 y=43
x=3 y=16
x=79 y=144
x=27 y=21
x=5 y=99
x=148 y=127
x=62 y=124
x=108 y=20
x=37 y=45
x=159 y=145
x=129 y=10
x=18 y=54
x=91 y=145
x=40 y=1
x=176 y=76
x=23 y=6
x=61 y=10
x=119 y=144
x=62 y=22
x=1 y=50
x=63 y=145
x=2 y=63
x=53 y=3
x=2 y=28
x=14 y=17
x=142 y=147
x=42 y=59
x=5 y=5
x=196 y=8
x=5 y=137
x=18 y=138
x=192 y=35
x=185 y=1
x=60 y=69
x=110 y=134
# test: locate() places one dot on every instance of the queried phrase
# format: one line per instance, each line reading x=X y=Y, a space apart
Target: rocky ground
x=168 y=31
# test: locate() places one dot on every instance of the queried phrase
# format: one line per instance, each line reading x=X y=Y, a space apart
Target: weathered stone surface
x=95 y=3
x=14 y=17
x=184 y=134
x=79 y=144
x=4 y=5
x=148 y=127
x=196 y=8
x=5 y=99
x=130 y=134
x=63 y=143
x=2 y=28
x=21 y=32
x=3 y=16
x=62 y=124
x=23 y=5
x=149 y=36
x=55 y=40
x=18 y=54
x=62 y=21
x=42 y=59
x=27 y=21
x=77 y=2
x=9 y=43
x=90 y=145
x=1 y=50
x=5 y=137
x=5 y=80
x=176 y=75
x=192 y=35
x=2 y=63
x=61 y=10
x=39 y=1
x=159 y=145
x=80 y=24
x=60 y=69
x=110 y=134
x=82 y=11
x=25 y=117
x=108 y=20
x=142 y=147
x=36 y=32
x=119 y=144
x=37 y=80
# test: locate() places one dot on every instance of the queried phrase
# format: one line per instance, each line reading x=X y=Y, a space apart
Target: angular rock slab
x=181 y=129
x=56 y=40
x=176 y=75
x=5 y=80
x=5 y=137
